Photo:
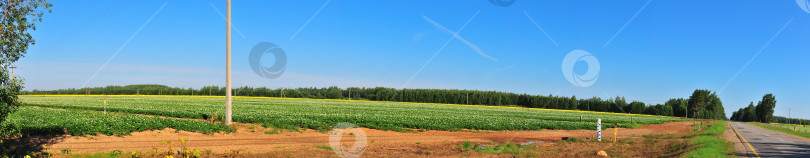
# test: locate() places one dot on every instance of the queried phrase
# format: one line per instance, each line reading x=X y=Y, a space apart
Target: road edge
x=783 y=133
x=742 y=140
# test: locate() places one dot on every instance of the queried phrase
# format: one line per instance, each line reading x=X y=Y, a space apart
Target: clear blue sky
x=648 y=51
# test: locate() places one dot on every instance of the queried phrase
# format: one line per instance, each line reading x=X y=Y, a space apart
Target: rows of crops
x=36 y=121
x=322 y=114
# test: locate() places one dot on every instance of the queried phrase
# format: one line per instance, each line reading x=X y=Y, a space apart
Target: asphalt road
x=767 y=143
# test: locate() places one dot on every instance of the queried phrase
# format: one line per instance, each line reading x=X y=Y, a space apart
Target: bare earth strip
x=380 y=143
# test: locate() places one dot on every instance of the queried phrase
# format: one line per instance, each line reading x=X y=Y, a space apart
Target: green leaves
x=323 y=114
x=18 y=18
x=14 y=42
x=46 y=121
x=705 y=104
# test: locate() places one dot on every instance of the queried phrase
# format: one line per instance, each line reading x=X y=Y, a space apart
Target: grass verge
x=508 y=148
x=783 y=130
x=707 y=144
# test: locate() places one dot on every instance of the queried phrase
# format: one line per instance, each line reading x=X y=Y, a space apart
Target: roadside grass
x=508 y=148
x=324 y=147
x=779 y=129
x=707 y=144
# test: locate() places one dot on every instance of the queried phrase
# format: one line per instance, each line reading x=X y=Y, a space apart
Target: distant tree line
x=782 y=119
x=702 y=103
x=762 y=112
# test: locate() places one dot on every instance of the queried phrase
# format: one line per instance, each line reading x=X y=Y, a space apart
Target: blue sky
x=648 y=51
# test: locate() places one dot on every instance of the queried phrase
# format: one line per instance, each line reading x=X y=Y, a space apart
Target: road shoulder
x=739 y=146
x=782 y=133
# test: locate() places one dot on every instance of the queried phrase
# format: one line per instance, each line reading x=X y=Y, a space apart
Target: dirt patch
x=740 y=148
x=251 y=139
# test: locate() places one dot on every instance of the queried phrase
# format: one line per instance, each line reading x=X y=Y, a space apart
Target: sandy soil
x=379 y=143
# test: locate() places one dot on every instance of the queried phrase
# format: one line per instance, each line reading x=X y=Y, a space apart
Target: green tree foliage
x=678 y=106
x=637 y=107
x=746 y=114
x=781 y=119
x=705 y=104
x=762 y=112
x=673 y=107
x=764 y=109
x=750 y=113
x=449 y=96
x=18 y=18
x=619 y=104
x=665 y=110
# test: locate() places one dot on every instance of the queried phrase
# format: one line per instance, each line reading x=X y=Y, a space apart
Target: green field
x=36 y=121
x=323 y=114
x=792 y=127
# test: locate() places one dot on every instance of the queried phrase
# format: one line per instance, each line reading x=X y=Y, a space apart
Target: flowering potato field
x=322 y=114
x=36 y=120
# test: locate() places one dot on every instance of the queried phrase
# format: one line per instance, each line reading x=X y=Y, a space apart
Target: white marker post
x=599 y=129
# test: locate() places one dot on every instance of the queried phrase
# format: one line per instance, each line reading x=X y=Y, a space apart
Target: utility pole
x=228 y=99
x=788 y=116
x=12 y=73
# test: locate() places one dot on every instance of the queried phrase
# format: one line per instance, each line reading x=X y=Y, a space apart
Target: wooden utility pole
x=228 y=99
x=12 y=73
x=468 y=98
